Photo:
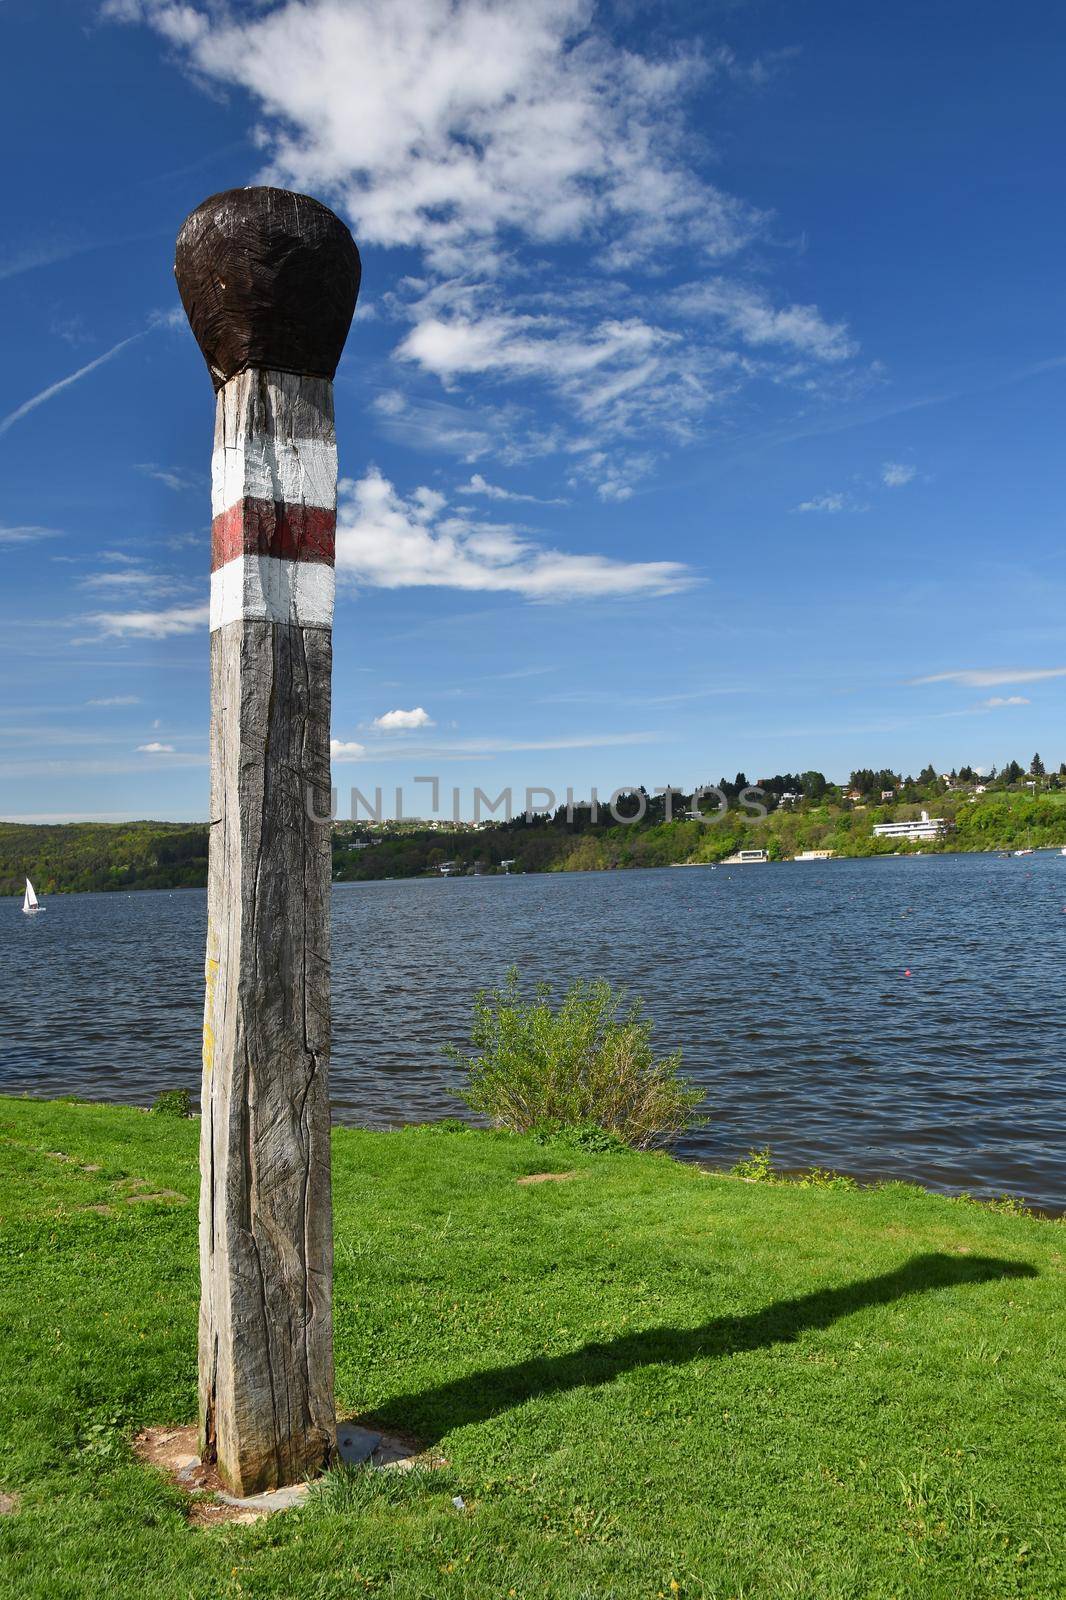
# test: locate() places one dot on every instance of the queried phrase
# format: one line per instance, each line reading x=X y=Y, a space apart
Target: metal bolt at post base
x=269 y=282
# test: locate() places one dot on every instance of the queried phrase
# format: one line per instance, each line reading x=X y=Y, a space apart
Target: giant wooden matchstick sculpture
x=269 y=281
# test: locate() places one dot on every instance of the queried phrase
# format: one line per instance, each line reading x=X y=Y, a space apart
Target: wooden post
x=269 y=282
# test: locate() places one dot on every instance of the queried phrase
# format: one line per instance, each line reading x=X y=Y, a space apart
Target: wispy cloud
x=472 y=749
x=536 y=164
x=1006 y=700
x=392 y=542
x=134 y=580
x=64 y=383
x=831 y=503
x=989 y=677
x=148 y=624
x=39 y=254
x=894 y=474
x=493 y=491
x=615 y=379
x=448 y=124
x=751 y=316
x=526 y=346
x=434 y=426
x=175 y=478
x=417 y=717
x=115 y=700
x=65 y=767
x=156 y=749
x=28 y=533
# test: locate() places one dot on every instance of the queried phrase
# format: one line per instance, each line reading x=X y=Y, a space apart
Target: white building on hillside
x=926 y=827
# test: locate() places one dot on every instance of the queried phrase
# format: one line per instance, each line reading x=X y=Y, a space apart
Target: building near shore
x=925 y=828
x=814 y=855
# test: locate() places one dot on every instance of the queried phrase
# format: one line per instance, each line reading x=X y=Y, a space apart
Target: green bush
x=757 y=1167
x=172 y=1103
x=587 y=1064
x=825 y=1178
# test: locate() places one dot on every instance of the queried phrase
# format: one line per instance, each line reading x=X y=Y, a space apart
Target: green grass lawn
x=645 y=1381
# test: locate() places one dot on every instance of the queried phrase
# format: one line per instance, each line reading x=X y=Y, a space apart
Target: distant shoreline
x=64 y=858
x=431 y=876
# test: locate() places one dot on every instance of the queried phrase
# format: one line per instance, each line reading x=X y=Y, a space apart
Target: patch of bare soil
x=136 y=1189
x=547 y=1177
x=175 y=1452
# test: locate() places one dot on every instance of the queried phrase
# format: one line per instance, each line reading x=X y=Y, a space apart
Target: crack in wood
x=266 y=1234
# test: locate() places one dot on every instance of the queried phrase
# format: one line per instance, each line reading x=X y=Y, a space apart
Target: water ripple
x=785 y=985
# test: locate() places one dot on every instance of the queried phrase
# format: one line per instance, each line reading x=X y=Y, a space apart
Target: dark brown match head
x=268 y=279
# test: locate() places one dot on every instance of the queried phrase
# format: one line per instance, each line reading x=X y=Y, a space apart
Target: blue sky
x=703 y=410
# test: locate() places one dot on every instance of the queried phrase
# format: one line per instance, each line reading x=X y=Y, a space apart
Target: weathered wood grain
x=269 y=281
x=266 y=1353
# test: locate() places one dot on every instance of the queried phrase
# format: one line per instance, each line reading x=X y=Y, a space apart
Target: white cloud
x=493 y=491
x=751 y=316
x=434 y=426
x=155 y=749
x=989 y=677
x=1007 y=700
x=390 y=542
x=521 y=148
x=525 y=346
x=173 y=477
x=25 y=534
x=416 y=718
x=831 y=503
x=346 y=750
x=579 y=741
x=69 y=768
x=474 y=749
x=894 y=474
x=448 y=124
x=149 y=624
x=621 y=377
x=116 y=700
x=133 y=579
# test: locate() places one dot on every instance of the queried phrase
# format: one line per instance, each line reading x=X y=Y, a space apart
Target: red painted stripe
x=272 y=528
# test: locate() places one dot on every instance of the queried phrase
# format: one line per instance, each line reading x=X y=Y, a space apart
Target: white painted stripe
x=296 y=471
x=262 y=588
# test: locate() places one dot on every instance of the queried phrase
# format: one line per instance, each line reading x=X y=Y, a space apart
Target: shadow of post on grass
x=434 y=1412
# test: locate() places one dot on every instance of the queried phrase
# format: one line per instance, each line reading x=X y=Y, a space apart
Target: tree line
x=784 y=814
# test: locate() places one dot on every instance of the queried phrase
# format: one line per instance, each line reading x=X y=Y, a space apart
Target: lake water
x=786 y=985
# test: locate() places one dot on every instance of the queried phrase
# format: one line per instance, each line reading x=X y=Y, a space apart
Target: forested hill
x=73 y=857
x=160 y=855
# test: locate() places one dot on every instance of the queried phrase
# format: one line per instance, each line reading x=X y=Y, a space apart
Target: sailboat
x=29 y=903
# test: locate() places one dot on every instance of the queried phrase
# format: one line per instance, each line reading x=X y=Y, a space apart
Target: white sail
x=29 y=902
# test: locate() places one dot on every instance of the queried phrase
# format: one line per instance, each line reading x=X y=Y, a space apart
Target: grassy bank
x=646 y=1381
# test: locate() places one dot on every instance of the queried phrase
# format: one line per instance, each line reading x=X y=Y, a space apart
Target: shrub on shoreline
x=587 y=1065
x=172 y=1103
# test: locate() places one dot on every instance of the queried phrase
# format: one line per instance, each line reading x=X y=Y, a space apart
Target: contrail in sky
x=65 y=383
